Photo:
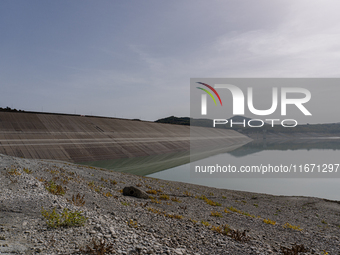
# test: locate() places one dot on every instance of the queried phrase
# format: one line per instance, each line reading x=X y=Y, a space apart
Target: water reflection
x=331 y=143
x=286 y=150
x=151 y=164
x=175 y=167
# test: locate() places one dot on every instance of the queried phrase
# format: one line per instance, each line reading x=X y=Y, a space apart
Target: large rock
x=134 y=192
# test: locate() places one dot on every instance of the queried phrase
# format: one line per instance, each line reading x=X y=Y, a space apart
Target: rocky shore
x=53 y=207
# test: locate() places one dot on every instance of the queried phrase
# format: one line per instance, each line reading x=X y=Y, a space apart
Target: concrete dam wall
x=86 y=138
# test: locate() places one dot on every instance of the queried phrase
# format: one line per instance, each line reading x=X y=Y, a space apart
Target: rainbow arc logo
x=209 y=93
x=204 y=97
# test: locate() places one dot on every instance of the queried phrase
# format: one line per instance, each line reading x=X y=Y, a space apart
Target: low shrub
x=66 y=219
x=100 y=248
x=77 y=200
x=55 y=189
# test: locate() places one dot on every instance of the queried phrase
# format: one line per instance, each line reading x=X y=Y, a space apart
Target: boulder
x=135 y=192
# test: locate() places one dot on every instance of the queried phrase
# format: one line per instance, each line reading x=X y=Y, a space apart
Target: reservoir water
x=176 y=167
x=298 y=152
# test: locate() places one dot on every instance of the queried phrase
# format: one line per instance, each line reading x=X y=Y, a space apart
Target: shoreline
x=181 y=218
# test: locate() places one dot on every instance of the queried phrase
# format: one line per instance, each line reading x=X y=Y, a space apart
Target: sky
x=134 y=59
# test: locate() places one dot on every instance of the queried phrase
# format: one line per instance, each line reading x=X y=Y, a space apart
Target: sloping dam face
x=86 y=138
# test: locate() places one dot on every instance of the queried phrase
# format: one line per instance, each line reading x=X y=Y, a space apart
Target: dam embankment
x=86 y=138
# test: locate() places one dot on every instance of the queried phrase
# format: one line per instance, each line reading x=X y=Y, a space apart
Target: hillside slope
x=82 y=138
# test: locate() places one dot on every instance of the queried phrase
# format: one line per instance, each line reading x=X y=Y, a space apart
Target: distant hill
x=202 y=122
x=8 y=109
x=175 y=120
x=329 y=128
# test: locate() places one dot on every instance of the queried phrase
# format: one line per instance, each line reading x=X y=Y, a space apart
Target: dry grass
x=164 y=197
x=77 y=200
x=132 y=224
x=175 y=199
x=152 y=191
x=216 y=214
x=288 y=225
x=55 y=189
x=100 y=248
x=295 y=250
x=268 y=221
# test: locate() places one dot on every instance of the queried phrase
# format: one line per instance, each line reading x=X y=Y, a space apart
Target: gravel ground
x=180 y=218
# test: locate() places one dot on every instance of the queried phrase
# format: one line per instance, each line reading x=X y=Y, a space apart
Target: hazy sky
x=134 y=59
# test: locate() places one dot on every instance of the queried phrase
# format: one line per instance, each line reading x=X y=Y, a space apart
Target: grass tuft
x=175 y=199
x=77 y=200
x=296 y=249
x=132 y=224
x=205 y=223
x=14 y=171
x=107 y=194
x=27 y=171
x=288 y=225
x=208 y=201
x=66 y=219
x=100 y=248
x=268 y=221
x=152 y=191
x=55 y=189
x=164 y=197
x=216 y=214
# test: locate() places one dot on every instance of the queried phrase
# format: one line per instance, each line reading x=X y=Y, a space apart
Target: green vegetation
x=14 y=172
x=205 y=223
x=193 y=221
x=216 y=214
x=240 y=212
x=225 y=229
x=175 y=216
x=268 y=221
x=234 y=210
x=175 y=199
x=209 y=202
x=27 y=171
x=113 y=182
x=288 y=225
x=66 y=219
x=152 y=191
x=132 y=224
x=237 y=235
x=226 y=210
x=154 y=200
x=164 y=197
x=55 y=189
x=108 y=194
x=187 y=193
